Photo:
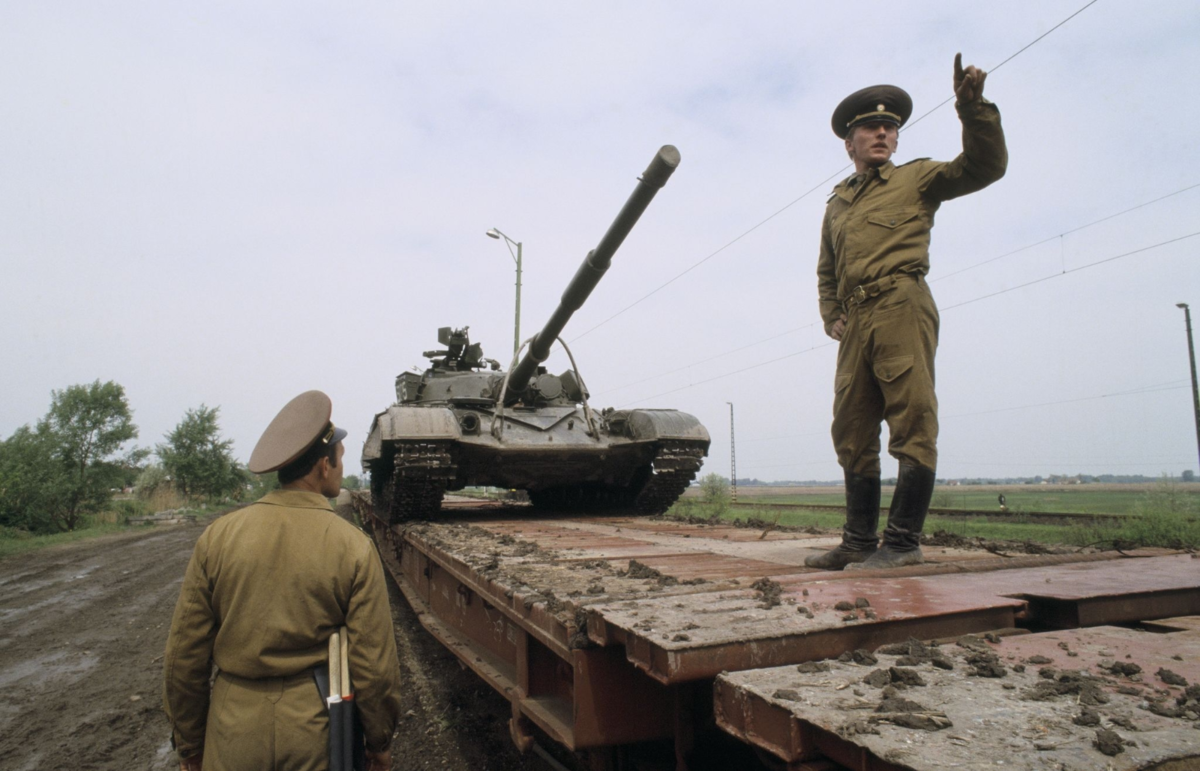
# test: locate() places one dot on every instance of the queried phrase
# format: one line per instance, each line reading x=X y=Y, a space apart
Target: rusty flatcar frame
x=602 y=674
x=745 y=708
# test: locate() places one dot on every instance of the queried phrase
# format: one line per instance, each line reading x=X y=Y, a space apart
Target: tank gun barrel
x=594 y=266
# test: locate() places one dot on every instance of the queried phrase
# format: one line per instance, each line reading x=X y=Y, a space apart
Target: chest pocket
x=893 y=218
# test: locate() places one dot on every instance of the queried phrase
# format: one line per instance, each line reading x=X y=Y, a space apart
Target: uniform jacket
x=880 y=225
x=264 y=590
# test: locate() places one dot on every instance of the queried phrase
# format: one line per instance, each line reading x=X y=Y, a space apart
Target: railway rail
x=639 y=643
x=946 y=512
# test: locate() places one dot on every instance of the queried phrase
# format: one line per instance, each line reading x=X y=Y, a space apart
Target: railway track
x=944 y=512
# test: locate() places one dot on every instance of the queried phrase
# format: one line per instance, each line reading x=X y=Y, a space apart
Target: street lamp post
x=1187 y=314
x=732 y=458
x=495 y=233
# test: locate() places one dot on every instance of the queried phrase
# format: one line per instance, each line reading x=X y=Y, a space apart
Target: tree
x=89 y=424
x=31 y=479
x=199 y=461
x=1189 y=475
x=63 y=470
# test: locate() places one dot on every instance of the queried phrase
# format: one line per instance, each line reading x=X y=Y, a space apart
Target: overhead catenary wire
x=942 y=310
x=990 y=260
x=711 y=358
x=731 y=374
x=1065 y=233
x=1170 y=385
x=678 y=276
x=1069 y=271
x=1135 y=392
x=811 y=190
x=1020 y=51
x=988 y=464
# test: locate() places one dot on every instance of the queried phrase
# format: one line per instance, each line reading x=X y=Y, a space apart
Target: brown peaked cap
x=889 y=103
x=302 y=421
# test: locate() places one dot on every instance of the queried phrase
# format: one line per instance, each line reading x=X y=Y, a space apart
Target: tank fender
x=410 y=423
x=646 y=425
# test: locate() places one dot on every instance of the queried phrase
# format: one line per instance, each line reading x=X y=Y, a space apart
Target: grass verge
x=14 y=542
x=1162 y=517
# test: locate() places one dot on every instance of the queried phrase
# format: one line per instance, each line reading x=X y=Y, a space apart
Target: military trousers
x=278 y=723
x=885 y=373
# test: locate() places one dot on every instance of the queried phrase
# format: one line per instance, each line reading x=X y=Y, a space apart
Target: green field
x=1084 y=499
x=1163 y=514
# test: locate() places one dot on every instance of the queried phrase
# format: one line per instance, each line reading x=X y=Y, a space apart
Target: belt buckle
x=859 y=295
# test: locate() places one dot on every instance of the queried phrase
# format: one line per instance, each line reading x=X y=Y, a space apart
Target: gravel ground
x=82 y=631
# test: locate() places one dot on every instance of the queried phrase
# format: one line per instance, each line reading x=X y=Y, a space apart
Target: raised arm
x=984 y=157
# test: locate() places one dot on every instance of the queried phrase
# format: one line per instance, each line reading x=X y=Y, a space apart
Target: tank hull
x=639 y=459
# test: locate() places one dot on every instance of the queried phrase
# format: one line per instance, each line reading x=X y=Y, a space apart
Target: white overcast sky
x=228 y=203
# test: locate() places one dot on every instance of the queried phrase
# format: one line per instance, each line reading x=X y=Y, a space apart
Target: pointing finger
x=958 y=70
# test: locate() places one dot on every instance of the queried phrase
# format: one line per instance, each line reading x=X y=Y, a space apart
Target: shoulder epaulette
x=914 y=160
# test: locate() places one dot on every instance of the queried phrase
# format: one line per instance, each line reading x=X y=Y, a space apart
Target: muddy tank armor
x=465 y=422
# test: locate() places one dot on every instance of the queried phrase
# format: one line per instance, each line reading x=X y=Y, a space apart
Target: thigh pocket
x=892 y=369
x=841 y=385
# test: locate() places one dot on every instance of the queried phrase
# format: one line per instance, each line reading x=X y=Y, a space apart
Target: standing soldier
x=265 y=589
x=875 y=301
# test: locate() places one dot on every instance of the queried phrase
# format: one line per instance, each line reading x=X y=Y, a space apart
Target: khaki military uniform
x=873 y=260
x=265 y=589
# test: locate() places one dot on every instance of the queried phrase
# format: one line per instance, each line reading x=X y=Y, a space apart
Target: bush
x=156 y=492
x=152 y=479
x=260 y=485
x=14 y=534
x=129 y=507
x=714 y=491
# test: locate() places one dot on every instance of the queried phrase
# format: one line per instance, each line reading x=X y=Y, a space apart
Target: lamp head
x=493 y=233
x=1181 y=305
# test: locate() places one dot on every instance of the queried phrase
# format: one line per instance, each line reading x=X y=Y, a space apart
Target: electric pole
x=733 y=458
x=1187 y=314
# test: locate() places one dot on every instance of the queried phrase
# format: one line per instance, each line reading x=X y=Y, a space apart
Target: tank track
x=421 y=473
x=674 y=467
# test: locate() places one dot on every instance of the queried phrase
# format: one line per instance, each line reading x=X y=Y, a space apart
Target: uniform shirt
x=263 y=592
x=878 y=223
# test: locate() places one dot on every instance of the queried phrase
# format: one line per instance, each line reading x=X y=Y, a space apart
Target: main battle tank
x=465 y=422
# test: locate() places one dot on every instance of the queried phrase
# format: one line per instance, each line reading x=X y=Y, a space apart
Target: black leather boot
x=860 y=534
x=906 y=518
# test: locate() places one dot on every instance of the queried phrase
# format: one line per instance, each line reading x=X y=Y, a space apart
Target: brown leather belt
x=267 y=683
x=863 y=292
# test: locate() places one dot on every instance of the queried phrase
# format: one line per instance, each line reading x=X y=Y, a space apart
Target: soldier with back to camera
x=265 y=589
x=874 y=300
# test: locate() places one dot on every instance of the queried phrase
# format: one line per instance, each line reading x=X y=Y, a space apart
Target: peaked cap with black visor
x=302 y=423
x=889 y=104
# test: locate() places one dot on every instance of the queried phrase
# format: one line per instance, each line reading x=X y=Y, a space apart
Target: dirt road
x=82 y=631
